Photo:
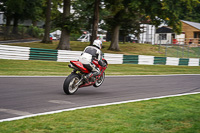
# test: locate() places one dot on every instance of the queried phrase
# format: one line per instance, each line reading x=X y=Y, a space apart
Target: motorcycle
x=76 y=79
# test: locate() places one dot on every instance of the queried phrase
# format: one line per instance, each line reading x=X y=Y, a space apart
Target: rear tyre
x=99 y=81
x=69 y=85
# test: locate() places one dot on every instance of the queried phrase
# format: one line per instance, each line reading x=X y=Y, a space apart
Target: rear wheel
x=69 y=85
x=99 y=81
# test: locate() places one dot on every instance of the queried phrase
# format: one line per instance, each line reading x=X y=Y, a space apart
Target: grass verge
x=176 y=114
x=52 y=68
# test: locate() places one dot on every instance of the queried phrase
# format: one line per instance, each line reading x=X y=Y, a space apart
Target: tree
x=88 y=12
x=156 y=11
x=65 y=35
x=22 y=9
x=12 y=10
x=18 y=11
x=191 y=15
x=46 y=38
x=119 y=14
x=83 y=11
x=95 y=21
x=34 y=10
x=7 y=14
x=131 y=26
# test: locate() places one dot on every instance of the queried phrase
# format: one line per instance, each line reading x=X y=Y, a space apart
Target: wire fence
x=180 y=50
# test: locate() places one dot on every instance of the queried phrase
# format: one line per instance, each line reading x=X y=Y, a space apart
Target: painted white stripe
x=114 y=58
x=15 y=112
x=14 y=52
x=172 y=61
x=193 y=62
x=60 y=102
x=9 y=47
x=67 y=55
x=91 y=106
x=145 y=60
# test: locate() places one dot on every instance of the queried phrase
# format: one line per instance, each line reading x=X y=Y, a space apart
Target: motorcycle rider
x=89 y=54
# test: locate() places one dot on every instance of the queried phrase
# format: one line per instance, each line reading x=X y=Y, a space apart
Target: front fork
x=99 y=76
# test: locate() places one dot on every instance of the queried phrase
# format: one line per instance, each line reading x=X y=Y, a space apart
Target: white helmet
x=97 y=43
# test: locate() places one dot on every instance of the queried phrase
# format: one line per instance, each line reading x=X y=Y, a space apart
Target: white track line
x=98 y=105
x=60 y=102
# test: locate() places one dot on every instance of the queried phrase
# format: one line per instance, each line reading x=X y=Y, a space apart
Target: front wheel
x=69 y=85
x=99 y=81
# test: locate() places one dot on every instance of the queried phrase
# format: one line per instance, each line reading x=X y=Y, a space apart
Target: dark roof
x=164 y=29
x=193 y=24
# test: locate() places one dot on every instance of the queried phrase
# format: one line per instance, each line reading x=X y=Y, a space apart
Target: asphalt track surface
x=19 y=41
x=20 y=96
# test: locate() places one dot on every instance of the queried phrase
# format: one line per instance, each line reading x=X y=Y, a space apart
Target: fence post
x=188 y=54
x=177 y=50
x=166 y=50
x=199 y=51
x=160 y=42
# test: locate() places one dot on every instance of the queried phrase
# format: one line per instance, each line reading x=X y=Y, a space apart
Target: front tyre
x=99 y=81
x=69 y=85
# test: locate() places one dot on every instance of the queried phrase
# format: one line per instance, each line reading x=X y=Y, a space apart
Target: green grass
x=127 y=49
x=33 y=67
x=52 y=68
x=177 y=114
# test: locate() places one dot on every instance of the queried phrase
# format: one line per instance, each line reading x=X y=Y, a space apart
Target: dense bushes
x=35 y=31
x=20 y=32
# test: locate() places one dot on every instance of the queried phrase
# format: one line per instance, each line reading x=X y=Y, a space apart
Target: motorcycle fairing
x=80 y=66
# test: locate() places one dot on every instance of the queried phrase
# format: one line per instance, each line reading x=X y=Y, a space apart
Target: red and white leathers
x=89 y=54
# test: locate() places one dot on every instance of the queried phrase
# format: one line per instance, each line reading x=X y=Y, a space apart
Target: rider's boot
x=91 y=75
x=86 y=77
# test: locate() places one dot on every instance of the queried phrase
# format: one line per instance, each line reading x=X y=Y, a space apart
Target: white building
x=148 y=34
x=165 y=35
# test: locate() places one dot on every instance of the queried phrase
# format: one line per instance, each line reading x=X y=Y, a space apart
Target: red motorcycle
x=75 y=80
